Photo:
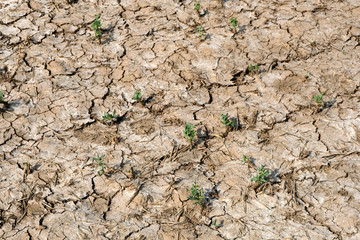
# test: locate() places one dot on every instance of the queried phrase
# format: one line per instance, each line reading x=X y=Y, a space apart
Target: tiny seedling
x=233 y=22
x=137 y=96
x=199 y=31
x=98 y=160
x=216 y=226
x=96 y=26
x=197 y=6
x=196 y=194
x=1 y=96
x=261 y=177
x=109 y=116
x=253 y=69
x=245 y=159
x=319 y=99
x=189 y=132
x=226 y=121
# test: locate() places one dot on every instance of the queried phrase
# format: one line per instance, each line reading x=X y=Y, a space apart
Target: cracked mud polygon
x=58 y=81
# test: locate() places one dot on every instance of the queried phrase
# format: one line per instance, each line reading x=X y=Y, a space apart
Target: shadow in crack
x=211 y=195
x=35 y=167
x=326 y=105
x=150 y=99
x=242 y=29
x=329 y=104
x=273 y=176
x=252 y=161
x=237 y=125
x=202 y=135
x=8 y=107
x=108 y=33
x=203 y=14
x=3 y=70
x=207 y=36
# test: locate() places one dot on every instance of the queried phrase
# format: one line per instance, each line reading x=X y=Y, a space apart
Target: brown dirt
x=58 y=81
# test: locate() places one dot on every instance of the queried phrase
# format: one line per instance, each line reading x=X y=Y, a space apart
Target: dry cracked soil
x=58 y=82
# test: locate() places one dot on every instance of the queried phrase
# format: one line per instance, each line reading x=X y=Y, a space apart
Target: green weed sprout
x=199 y=31
x=233 y=22
x=260 y=178
x=245 y=159
x=98 y=160
x=96 y=26
x=252 y=68
x=189 y=132
x=137 y=96
x=109 y=116
x=1 y=96
x=216 y=226
x=226 y=121
x=319 y=99
x=196 y=194
x=197 y=6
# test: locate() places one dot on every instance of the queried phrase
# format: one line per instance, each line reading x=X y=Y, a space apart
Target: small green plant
x=96 y=26
x=261 y=177
x=234 y=24
x=109 y=116
x=245 y=159
x=197 y=6
x=199 y=31
x=137 y=96
x=98 y=160
x=216 y=226
x=189 y=132
x=196 y=194
x=319 y=99
x=1 y=96
x=226 y=121
x=253 y=69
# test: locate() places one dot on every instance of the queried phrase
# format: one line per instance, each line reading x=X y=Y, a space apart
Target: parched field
x=66 y=173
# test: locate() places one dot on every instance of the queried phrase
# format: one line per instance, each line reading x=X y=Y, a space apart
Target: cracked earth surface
x=58 y=81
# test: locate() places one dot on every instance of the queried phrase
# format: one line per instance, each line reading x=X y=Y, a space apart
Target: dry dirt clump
x=81 y=157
